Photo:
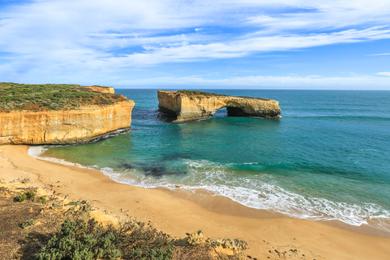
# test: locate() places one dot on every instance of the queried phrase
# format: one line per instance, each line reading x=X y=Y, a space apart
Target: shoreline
x=193 y=193
x=177 y=212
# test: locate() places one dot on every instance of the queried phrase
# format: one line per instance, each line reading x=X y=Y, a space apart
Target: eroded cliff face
x=188 y=105
x=107 y=90
x=64 y=126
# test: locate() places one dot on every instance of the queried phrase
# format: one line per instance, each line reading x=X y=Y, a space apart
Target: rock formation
x=66 y=126
x=193 y=105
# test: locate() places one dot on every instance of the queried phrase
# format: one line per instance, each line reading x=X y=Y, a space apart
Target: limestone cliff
x=65 y=126
x=192 y=105
x=100 y=89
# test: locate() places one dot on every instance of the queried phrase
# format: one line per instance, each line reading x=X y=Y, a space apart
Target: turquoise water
x=327 y=158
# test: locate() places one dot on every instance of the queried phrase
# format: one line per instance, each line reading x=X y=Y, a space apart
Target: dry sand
x=177 y=212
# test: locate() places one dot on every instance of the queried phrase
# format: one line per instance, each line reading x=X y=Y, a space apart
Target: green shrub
x=27 y=223
x=27 y=195
x=80 y=239
x=20 y=197
x=30 y=195
x=42 y=199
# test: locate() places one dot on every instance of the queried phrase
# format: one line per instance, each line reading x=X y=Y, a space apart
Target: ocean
x=327 y=158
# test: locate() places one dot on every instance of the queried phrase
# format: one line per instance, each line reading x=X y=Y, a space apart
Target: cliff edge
x=60 y=114
x=186 y=105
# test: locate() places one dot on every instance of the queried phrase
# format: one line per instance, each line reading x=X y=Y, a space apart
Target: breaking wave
x=255 y=193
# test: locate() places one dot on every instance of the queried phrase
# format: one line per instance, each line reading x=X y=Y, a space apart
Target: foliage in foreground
x=27 y=195
x=80 y=239
x=34 y=224
x=88 y=239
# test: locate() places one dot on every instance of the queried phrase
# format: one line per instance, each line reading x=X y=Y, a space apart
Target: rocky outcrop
x=193 y=105
x=106 y=90
x=79 y=125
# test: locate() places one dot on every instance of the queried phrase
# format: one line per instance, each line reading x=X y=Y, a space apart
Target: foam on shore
x=260 y=195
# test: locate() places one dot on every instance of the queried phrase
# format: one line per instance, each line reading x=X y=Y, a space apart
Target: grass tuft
x=26 y=195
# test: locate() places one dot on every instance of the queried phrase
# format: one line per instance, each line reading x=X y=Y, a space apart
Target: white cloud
x=248 y=45
x=381 y=54
x=384 y=73
x=264 y=82
x=55 y=39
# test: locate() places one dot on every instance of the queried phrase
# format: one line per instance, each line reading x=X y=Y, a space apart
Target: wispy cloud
x=381 y=54
x=248 y=45
x=384 y=73
x=55 y=39
x=369 y=82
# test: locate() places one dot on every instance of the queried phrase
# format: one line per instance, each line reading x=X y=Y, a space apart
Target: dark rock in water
x=155 y=171
x=128 y=166
x=149 y=170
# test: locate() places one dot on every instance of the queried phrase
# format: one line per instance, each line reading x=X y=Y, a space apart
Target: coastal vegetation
x=39 y=97
x=51 y=228
x=210 y=94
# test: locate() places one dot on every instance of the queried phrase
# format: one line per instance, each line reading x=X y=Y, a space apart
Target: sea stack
x=185 y=105
x=60 y=114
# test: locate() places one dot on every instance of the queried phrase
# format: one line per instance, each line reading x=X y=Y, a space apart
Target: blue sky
x=201 y=44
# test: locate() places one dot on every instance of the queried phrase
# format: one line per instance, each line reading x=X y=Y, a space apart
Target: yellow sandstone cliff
x=193 y=105
x=65 y=126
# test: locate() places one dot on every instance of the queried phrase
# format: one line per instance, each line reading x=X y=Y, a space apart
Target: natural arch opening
x=235 y=111
x=229 y=111
x=221 y=112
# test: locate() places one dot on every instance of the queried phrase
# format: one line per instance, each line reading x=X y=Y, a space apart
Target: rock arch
x=184 y=106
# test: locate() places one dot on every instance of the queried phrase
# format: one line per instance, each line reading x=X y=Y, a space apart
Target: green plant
x=27 y=223
x=141 y=240
x=42 y=199
x=81 y=239
x=27 y=195
x=20 y=197
x=30 y=195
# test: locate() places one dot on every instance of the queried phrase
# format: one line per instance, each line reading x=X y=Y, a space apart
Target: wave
x=259 y=194
x=253 y=193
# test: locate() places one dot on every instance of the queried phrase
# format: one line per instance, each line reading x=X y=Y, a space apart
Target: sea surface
x=327 y=158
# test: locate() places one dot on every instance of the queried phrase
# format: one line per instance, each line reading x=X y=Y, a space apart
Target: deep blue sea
x=327 y=158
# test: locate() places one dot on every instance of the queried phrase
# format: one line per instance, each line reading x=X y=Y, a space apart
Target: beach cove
x=177 y=212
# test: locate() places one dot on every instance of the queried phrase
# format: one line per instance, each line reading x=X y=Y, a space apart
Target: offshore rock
x=183 y=105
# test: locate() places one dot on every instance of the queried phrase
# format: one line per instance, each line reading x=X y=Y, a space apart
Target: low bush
x=26 y=195
x=82 y=239
x=27 y=223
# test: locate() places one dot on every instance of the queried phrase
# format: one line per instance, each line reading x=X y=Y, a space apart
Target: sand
x=269 y=235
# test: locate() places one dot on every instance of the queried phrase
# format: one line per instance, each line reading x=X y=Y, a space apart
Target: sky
x=291 y=44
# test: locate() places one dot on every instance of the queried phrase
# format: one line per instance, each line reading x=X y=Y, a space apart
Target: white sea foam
x=38 y=151
x=212 y=177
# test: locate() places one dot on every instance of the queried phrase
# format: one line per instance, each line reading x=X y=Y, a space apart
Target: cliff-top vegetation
x=41 y=97
x=209 y=94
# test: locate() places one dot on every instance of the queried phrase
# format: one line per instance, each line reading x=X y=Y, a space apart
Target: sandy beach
x=178 y=212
